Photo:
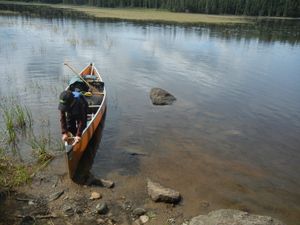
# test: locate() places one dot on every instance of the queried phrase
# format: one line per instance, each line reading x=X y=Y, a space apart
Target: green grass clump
x=10 y=128
x=39 y=148
x=16 y=118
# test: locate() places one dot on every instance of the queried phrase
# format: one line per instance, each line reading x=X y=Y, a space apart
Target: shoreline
x=130 y=14
x=52 y=198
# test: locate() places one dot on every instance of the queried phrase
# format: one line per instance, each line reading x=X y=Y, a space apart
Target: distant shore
x=126 y=14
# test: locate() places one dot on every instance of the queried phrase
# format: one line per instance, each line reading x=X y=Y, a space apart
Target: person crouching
x=73 y=114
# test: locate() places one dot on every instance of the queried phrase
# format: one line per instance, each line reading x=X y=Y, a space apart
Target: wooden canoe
x=96 y=99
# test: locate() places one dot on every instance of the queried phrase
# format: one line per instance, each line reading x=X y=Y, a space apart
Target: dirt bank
x=52 y=198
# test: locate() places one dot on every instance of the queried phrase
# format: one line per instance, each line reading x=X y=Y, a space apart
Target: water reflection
x=83 y=171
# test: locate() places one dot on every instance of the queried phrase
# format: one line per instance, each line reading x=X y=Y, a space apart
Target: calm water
x=232 y=136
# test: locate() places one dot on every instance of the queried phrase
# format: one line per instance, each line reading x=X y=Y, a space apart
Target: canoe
x=96 y=98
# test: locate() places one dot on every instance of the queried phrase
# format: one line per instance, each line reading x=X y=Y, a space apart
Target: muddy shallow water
x=231 y=140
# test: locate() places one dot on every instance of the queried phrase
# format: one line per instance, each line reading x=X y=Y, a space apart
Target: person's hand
x=64 y=137
x=76 y=139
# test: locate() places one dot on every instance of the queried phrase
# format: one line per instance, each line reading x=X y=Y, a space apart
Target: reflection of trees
x=286 y=31
x=266 y=30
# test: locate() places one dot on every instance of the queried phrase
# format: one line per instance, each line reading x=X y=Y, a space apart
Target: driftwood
x=49 y=216
x=24 y=199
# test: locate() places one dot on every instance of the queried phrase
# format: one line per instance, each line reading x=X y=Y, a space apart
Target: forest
x=279 y=8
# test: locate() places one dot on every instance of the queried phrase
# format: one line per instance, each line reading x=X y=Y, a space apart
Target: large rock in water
x=233 y=217
x=159 y=96
x=159 y=193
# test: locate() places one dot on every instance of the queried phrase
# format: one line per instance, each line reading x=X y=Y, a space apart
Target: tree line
x=289 y=8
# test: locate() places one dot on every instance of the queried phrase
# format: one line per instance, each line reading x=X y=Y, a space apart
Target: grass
x=10 y=128
x=142 y=15
x=16 y=117
x=12 y=173
x=17 y=122
x=157 y=15
x=39 y=145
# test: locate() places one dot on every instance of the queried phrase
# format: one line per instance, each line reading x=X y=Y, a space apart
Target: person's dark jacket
x=75 y=119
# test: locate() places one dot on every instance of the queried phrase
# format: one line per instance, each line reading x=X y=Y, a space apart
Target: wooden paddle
x=81 y=78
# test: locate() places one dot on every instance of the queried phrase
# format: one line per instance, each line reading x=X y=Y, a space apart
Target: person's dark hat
x=65 y=100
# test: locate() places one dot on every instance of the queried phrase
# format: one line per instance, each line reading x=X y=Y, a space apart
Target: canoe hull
x=75 y=152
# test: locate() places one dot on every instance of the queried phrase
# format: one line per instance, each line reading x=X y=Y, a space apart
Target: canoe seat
x=93 y=109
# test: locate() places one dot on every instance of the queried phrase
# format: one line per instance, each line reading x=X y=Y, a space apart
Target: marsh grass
x=73 y=42
x=35 y=86
x=10 y=128
x=17 y=128
x=21 y=117
x=17 y=120
x=89 y=42
x=39 y=146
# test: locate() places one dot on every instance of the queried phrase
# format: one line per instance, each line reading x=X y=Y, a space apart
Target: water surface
x=230 y=139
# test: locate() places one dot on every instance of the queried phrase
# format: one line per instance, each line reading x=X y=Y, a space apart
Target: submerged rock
x=159 y=193
x=159 y=96
x=233 y=217
x=101 y=208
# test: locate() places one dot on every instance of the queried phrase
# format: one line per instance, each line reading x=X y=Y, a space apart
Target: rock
x=159 y=193
x=107 y=183
x=31 y=202
x=233 y=217
x=92 y=180
x=55 y=195
x=139 y=212
x=159 y=96
x=95 y=195
x=102 y=208
x=144 y=219
x=127 y=205
x=27 y=220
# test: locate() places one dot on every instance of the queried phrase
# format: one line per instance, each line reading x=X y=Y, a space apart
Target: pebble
x=101 y=208
x=144 y=219
x=95 y=195
x=139 y=212
x=31 y=202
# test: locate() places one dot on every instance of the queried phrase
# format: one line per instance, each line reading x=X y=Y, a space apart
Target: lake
x=231 y=140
